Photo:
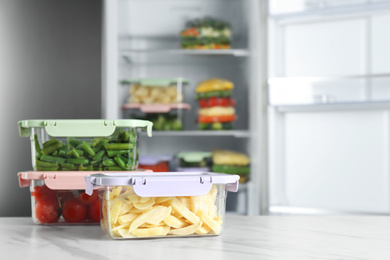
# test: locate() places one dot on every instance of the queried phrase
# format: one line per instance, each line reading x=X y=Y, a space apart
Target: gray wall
x=50 y=67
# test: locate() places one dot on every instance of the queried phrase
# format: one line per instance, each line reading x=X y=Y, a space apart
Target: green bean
x=55 y=159
x=88 y=149
x=98 y=156
x=97 y=141
x=73 y=142
x=120 y=162
x=109 y=162
x=86 y=168
x=74 y=153
x=46 y=164
x=119 y=146
x=67 y=165
x=51 y=148
x=62 y=152
x=78 y=160
x=36 y=143
x=50 y=142
x=39 y=154
x=112 y=153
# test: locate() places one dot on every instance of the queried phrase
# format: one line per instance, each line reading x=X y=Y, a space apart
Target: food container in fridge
x=155 y=91
x=165 y=117
x=84 y=145
x=206 y=33
x=155 y=163
x=170 y=204
x=59 y=198
x=192 y=161
x=217 y=107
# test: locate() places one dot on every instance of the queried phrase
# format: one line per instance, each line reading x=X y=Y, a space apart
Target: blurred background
x=302 y=94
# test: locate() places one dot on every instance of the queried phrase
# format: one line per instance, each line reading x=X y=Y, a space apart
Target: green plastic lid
x=193 y=157
x=81 y=127
x=156 y=82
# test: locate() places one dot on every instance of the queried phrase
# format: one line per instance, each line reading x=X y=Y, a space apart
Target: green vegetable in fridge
x=78 y=160
x=51 y=148
x=231 y=169
x=36 y=143
x=80 y=154
x=88 y=148
x=119 y=146
x=55 y=159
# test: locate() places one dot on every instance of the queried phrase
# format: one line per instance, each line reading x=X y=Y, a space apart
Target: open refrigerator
x=141 y=40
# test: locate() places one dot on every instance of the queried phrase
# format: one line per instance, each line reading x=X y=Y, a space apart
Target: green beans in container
x=84 y=145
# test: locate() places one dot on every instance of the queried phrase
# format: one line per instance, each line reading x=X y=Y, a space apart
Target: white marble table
x=245 y=237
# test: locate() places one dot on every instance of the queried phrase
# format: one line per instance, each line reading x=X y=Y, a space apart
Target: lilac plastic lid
x=163 y=184
x=153 y=159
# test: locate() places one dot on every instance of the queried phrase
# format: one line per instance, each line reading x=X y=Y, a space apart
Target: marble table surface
x=244 y=237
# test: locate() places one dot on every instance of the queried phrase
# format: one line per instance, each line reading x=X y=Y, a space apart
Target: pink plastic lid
x=156 y=108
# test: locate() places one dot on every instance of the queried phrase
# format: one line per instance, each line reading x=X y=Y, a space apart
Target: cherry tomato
x=203 y=103
x=216 y=101
x=86 y=199
x=46 y=211
x=64 y=195
x=39 y=193
x=94 y=211
x=74 y=210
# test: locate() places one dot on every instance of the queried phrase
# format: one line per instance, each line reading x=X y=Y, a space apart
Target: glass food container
x=84 y=145
x=170 y=204
x=193 y=161
x=155 y=91
x=217 y=107
x=165 y=117
x=59 y=198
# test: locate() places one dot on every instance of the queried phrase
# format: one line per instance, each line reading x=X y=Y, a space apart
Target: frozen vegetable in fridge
x=206 y=33
x=84 y=145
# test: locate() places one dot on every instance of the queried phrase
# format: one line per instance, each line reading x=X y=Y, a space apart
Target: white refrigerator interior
x=329 y=101
x=141 y=40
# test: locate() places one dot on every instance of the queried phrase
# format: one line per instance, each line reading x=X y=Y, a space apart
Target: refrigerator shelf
x=230 y=133
x=231 y=52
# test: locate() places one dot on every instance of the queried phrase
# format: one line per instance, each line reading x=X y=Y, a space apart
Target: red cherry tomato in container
x=46 y=211
x=86 y=199
x=73 y=210
x=216 y=101
x=94 y=211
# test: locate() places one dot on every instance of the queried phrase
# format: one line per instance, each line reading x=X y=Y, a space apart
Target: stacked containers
x=63 y=152
x=206 y=33
x=217 y=110
x=157 y=100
